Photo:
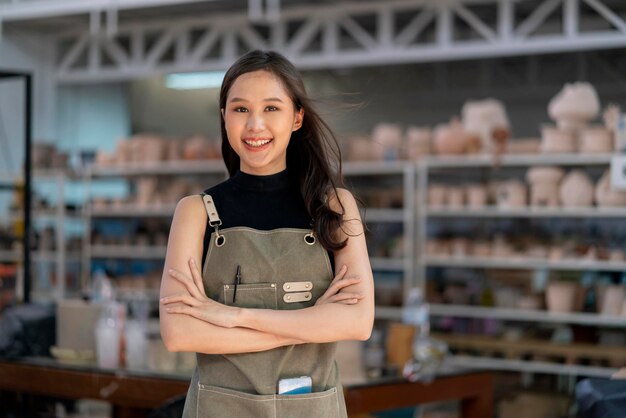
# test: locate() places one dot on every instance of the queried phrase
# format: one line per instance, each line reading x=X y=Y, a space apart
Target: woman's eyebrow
x=269 y=99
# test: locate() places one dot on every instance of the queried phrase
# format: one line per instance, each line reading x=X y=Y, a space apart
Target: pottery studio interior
x=484 y=142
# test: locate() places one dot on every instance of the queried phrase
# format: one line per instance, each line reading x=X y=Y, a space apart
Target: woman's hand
x=196 y=303
x=334 y=295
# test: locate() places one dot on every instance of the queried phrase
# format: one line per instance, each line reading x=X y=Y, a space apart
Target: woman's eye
x=271 y=108
x=240 y=109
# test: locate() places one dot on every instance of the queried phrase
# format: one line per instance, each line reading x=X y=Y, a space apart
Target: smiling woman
x=267 y=305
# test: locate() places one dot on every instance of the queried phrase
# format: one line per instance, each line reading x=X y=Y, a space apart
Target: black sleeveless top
x=259 y=202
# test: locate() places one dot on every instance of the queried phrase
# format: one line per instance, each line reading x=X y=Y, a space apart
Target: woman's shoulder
x=341 y=200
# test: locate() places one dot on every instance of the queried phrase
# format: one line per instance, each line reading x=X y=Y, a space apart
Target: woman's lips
x=257 y=144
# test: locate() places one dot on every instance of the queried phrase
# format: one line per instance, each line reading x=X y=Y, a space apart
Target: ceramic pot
x=417 y=143
x=450 y=139
x=610 y=299
x=605 y=196
x=389 y=137
x=561 y=296
x=524 y=146
x=511 y=194
x=544 y=189
x=486 y=120
x=455 y=197
x=576 y=190
x=476 y=196
x=574 y=106
x=555 y=140
x=596 y=139
x=437 y=194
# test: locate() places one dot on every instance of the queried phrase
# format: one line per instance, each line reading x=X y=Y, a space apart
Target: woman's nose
x=255 y=123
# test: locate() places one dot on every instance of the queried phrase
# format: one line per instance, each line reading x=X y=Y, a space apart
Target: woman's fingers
x=345 y=296
x=186 y=310
x=342 y=272
x=184 y=298
x=187 y=282
x=340 y=284
x=197 y=276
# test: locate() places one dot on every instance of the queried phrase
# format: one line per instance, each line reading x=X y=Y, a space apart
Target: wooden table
x=133 y=394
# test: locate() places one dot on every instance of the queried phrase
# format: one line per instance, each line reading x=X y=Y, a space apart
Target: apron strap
x=214 y=218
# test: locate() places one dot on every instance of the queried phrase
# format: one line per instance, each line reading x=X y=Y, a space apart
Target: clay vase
x=437 y=194
x=476 y=195
x=417 y=143
x=574 y=106
x=360 y=148
x=596 y=139
x=450 y=139
x=123 y=152
x=576 y=190
x=555 y=140
x=605 y=196
x=561 y=296
x=455 y=197
x=511 y=194
x=610 y=299
x=389 y=137
x=544 y=185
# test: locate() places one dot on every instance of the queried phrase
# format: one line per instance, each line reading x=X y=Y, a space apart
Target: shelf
x=129 y=252
x=518 y=160
x=387 y=264
x=522 y=263
x=160 y=168
x=53 y=173
x=374 y=168
x=569 y=353
x=384 y=215
x=475 y=362
x=525 y=315
x=135 y=211
x=527 y=212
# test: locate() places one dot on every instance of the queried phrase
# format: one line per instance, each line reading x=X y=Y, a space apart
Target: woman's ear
x=297 y=123
x=222 y=112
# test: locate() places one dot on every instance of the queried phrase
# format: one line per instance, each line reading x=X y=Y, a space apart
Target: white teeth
x=259 y=143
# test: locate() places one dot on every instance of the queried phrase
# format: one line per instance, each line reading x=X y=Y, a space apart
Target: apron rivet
x=273 y=285
x=288 y=287
x=288 y=297
x=306 y=285
x=227 y=287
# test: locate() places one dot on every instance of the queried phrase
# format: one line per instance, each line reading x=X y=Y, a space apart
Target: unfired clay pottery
x=437 y=194
x=596 y=139
x=455 y=197
x=389 y=137
x=173 y=150
x=576 y=190
x=561 y=296
x=574 y=106
x=123 y=152
x=417 y=142
x=450 y=138
x=459 y=247
x=487 y=120
x=607 y=197
x=511 y=194
x=481 y=249
x=476 y=195
x=610 y=299
x=146 y=190
x=544 y=185
x=555 y=140
x=361 y=148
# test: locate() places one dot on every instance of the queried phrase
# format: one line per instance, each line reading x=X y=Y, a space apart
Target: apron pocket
x=219 y=402
x=321 y=404
x=257 y=295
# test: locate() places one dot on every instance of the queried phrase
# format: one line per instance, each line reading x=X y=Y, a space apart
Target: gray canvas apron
x=280 y=269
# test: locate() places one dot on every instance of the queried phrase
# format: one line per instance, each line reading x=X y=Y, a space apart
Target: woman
x=265 y=306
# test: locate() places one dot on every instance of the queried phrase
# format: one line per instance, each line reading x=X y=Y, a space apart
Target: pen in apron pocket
x=237 y=281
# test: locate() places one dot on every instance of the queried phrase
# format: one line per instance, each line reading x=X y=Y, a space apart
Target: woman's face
x=259 y=118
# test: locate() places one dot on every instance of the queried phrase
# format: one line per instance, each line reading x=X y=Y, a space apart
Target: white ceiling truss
x=341 y=34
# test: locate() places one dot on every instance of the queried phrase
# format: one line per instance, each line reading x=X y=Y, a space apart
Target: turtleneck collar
x=278 y=181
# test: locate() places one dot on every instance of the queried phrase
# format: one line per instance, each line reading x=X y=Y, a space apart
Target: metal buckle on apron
x=214 y=219
x=310 y=238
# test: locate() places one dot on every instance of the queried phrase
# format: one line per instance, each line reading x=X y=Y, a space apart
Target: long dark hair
x=313 y=154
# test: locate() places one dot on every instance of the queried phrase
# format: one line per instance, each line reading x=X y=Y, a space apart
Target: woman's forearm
x=193 y=335
x=317 y=324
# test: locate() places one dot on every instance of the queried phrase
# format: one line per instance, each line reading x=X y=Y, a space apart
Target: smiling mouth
x=257 y=143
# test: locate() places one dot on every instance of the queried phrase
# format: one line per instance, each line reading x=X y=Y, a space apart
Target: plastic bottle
x=108 y=336
x=427 y=352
